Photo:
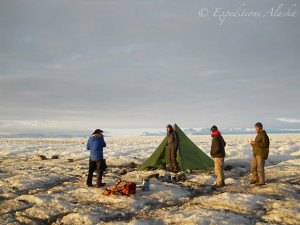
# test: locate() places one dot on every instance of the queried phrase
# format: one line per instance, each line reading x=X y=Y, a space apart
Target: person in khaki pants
x=218 y=153
x=260 y=154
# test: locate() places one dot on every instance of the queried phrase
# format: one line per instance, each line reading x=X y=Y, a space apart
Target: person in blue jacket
x=97 y=163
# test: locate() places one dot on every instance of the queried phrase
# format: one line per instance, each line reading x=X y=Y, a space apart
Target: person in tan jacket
x=260 y=154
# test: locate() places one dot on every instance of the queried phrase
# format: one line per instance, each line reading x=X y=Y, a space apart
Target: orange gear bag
x=123 y=188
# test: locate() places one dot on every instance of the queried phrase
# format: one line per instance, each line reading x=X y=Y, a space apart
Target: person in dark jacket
x=260 y=154
x=218 y=153
x=97 y=163
x=173 y=143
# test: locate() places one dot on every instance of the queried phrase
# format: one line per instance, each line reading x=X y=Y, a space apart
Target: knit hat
x=258 y=124
x=98 y=131
x=214 y=128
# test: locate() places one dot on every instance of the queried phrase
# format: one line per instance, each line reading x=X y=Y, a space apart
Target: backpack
x=122 y=188
x=266 y=150
x=267 y=140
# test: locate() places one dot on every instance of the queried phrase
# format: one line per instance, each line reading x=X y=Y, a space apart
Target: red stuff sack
x=123 y=187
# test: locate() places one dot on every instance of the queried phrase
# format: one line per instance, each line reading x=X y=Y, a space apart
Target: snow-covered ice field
x=53 y=191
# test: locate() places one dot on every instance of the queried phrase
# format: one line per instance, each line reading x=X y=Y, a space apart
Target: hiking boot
x=89 y=185
x=174 y=171
x=253 y=182
x=101 y=185
x=219 y=185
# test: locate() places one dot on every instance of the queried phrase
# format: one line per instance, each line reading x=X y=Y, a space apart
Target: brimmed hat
x=98 y=131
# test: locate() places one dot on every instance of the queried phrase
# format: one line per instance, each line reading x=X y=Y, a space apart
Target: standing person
x=260 y=154
x=218 y=153
x=95 y=145
x=173 y=143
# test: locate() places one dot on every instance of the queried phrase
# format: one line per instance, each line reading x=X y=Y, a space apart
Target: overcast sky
x=144 y=64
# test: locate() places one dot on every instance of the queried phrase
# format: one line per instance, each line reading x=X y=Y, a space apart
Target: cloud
x=145 y=64
x=288 y=120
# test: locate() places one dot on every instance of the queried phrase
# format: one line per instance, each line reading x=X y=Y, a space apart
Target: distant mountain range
x=190 y=131
x=25 y=135
x=206 y=131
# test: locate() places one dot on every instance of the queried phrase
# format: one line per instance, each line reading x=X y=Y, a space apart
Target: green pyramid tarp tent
x=189 y=156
